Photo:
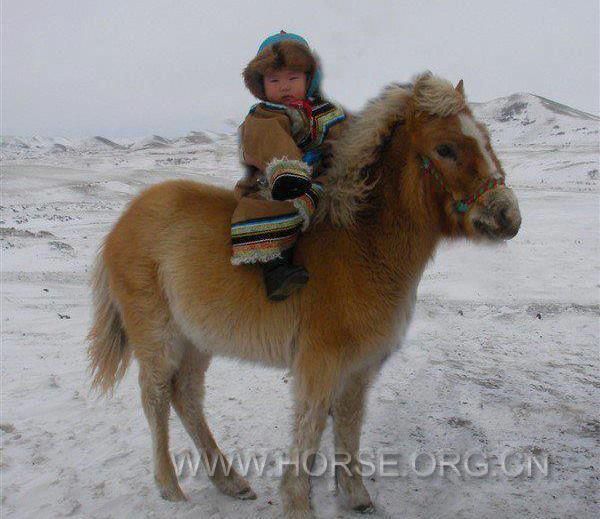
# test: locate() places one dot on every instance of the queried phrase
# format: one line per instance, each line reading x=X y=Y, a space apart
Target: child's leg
x=262 y=229
x=265 y=232
x=282 y=277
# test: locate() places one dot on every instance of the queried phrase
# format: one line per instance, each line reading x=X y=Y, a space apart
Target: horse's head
x=455 y=151
x=428 y=125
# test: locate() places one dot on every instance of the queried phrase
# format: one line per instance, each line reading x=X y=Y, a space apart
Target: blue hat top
x=281 y=36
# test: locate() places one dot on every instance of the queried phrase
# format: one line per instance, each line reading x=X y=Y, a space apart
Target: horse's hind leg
x=155 y=383
x=348 y=411
x=187 y=397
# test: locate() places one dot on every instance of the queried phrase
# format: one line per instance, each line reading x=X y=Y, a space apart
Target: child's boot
x=282 y=278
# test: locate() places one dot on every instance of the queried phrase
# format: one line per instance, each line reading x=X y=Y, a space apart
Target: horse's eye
x=445 y=152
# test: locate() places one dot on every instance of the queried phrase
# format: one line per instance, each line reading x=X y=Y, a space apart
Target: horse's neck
x=398 y=234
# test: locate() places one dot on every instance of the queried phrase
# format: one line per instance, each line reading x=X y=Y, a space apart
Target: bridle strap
x=460 y=206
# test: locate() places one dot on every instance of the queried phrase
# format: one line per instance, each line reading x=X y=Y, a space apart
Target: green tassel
x=462 y=207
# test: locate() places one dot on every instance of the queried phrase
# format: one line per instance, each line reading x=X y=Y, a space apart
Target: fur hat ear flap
x=254 y=73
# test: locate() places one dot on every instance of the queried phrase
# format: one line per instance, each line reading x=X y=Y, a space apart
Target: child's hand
x=288 y=188
x=307 y=203
x=288 y=179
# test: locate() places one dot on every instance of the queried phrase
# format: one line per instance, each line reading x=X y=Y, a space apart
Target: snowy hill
x=152 y=142
x=100 y=152
x=198 y=138
x=531 y=120
x=35 y=144
x=98 y=143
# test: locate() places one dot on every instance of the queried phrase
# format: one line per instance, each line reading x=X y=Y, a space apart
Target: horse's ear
x=460 y=88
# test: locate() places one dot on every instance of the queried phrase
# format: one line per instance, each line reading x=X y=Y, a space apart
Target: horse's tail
x=108 y=351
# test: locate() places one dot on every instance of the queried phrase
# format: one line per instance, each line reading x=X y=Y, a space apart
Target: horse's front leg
x=348 y=412
x=312 y=399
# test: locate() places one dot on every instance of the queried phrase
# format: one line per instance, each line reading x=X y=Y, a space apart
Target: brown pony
x=414 y=167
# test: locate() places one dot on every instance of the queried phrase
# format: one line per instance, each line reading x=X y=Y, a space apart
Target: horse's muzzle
x=496 y=215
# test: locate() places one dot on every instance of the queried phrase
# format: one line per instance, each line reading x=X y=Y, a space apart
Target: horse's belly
x=248 y=332
x=275 y=351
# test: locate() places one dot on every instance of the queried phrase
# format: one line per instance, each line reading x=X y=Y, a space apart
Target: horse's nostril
x=509 y=222
x=502 y=218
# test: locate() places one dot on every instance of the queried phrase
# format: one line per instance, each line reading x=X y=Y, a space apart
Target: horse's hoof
x=365 y=509
x=246 y=494
x=172 y=494
x=236 y=486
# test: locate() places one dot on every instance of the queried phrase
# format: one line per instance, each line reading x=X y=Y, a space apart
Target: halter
x=460 y=206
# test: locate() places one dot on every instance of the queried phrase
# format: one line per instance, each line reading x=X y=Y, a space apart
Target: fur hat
x=283 y=50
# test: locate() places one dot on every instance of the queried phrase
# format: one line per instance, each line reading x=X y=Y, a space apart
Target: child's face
x=284 y=86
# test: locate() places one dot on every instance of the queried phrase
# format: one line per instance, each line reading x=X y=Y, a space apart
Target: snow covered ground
x=502 y=355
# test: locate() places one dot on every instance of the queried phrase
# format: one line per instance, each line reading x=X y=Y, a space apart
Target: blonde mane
x=437 y=96
x=369 y=131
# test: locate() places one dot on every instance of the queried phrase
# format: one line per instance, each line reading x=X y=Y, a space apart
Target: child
x=283 y=142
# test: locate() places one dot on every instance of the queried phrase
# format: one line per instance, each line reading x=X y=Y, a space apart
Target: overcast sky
x=135 y=67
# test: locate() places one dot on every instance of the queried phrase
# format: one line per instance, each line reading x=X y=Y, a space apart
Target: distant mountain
x=528 y=119
x=97 y=143
x=152 y=142
x=32 y=146
x=196 y=137
x=514 y=121
x=14 y=143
